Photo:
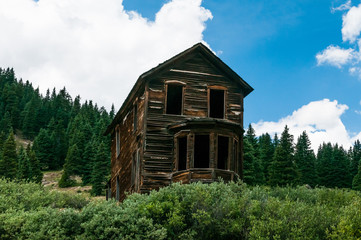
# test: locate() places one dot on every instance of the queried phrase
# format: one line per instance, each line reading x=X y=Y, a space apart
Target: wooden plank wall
x=158 y=149
x=130 y=140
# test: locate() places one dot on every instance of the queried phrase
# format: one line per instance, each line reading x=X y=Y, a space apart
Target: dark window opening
x=174 y=99
x=201 y=151
x=182 y=153
x=216 y=103
x=222 y=152
x=135 y=117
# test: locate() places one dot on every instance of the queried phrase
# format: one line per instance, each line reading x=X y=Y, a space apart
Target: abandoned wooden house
x=182 y=121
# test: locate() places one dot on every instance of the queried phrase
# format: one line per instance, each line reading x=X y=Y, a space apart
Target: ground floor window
x=223 y=152
x=201 y=151
x=182 y=153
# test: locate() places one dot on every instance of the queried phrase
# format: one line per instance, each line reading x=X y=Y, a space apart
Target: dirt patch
x=51 y=179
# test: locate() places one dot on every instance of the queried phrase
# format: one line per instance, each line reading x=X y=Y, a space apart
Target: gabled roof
x=199 y=47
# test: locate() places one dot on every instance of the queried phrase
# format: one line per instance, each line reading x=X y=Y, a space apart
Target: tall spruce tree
x=355 y=157
x=248 y=162
x=266 y=151
x=9 y=158
x=356 y=182
x=283 y=169
x=35 y=171
x=258 y=175
x=44 y=149
x=24 y=169
x=305 y=160
x=100 y=169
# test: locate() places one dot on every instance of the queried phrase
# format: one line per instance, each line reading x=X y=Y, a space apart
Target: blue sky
x=271 y=44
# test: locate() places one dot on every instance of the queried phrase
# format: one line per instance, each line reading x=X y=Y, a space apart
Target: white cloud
x=95 y=48
x=342 y=7
x=351 y=29
x=336 y=56
x=351 y=26
x=320 y=119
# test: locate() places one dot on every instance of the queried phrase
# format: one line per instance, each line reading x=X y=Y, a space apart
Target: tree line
x=64 y=133
x=282 y=162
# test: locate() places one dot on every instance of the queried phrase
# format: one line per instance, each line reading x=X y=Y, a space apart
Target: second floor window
x=174 y=99
x=216 y=103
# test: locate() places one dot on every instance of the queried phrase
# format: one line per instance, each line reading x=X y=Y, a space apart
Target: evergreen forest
x=63 y=134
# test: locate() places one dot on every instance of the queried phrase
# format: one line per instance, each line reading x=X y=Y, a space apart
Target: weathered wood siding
x=130 y=141
x=198 y=75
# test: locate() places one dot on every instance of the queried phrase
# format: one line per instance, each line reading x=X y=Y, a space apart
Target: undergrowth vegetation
x=194 y=211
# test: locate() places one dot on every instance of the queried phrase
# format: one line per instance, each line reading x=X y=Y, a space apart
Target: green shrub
x=191 y=211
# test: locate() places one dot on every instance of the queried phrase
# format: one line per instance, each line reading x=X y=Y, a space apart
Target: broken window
x=182 y=153
x=174 y=99
x=201 y=151
x=222 y=152
x=117 y=137
x=216 y=103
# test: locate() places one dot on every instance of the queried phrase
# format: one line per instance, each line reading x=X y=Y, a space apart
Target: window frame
x=224 y=89
x=179 y=83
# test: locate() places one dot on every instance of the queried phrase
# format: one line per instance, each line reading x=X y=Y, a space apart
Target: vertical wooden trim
x=225 y=103
x=166 y=97
x=183 y=100
x=213 y=150
x=230 y=148
x=208 y=102
x=190 y=150
x=145 y=116
x=175 y=154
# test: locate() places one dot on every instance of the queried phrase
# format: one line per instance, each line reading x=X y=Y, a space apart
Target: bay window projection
x=216 y=103
x=174 y=99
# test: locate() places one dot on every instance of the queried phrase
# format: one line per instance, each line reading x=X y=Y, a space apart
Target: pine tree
x=44 y=150
x=100 y=169
x=355 y=157
x=258 y=175
x=333 y=166
x=9 y=158
x=24 y=170
x=248 y=162
x=356 y=182
x=266 y=151
x=88 y=157
x=305 y=160
x=35 y=171
x=283 y=169
x=323 y=164
x=70 y=167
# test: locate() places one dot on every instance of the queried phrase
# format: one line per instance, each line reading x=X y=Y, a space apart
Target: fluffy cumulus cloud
x=336 y=56
x=320 y=119
x=351 y=34
x=95 y=48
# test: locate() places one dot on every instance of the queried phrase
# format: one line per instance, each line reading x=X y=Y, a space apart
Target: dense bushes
x=194 y=211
